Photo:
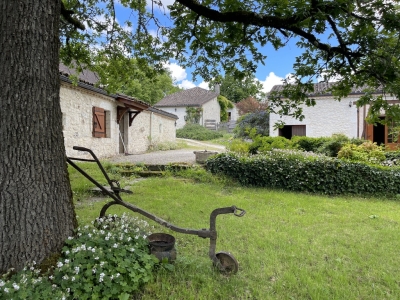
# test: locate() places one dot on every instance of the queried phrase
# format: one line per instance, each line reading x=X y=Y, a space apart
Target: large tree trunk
x=36 y=209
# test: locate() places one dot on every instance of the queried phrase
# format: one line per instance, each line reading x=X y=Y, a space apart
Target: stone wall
x=76 y=105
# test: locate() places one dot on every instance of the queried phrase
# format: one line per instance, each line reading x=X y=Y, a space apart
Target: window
x=291 y=130
x=392 y=132
x=99 y=122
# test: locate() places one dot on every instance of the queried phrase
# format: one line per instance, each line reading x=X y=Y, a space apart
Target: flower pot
x=202 y=156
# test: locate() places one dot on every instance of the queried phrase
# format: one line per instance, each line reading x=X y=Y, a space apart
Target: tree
x=238 y=89
x=36 y=209
x=250 y=105
x=355 y=40
x=135 y=81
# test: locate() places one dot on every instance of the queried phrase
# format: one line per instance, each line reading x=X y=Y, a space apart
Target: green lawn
x=289 y=246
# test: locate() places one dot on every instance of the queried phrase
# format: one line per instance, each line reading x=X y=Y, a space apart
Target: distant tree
x=250 y=105
x=141 y=82
x=238 y=89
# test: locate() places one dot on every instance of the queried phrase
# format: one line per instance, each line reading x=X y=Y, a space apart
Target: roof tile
x=192 y=97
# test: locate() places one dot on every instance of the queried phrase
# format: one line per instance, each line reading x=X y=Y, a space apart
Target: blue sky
x=277 y=66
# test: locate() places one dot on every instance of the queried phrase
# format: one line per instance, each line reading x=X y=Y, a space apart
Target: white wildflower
x=2 y=283
x=6 y=290
x=115 y=245
x=70 y=238
x=76 y=270
x=59 y=264
x=15 y=286
x=66 y=261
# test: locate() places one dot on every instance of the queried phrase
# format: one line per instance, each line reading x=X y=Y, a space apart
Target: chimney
x=217 y=88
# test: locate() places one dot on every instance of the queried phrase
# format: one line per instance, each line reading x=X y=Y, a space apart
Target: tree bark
x=36 y=209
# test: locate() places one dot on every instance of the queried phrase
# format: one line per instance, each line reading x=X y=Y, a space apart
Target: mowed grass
x=289 y=246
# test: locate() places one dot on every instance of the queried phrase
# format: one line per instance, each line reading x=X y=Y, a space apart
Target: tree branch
x=290 y=24
x=66 y=13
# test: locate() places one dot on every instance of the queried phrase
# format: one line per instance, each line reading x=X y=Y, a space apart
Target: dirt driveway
x=171 y=156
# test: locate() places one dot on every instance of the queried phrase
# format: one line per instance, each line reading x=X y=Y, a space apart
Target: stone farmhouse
x=109 y=124
x=197 y=97
x=330 y=116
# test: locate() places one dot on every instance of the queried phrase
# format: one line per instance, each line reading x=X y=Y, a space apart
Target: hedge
x=294 y=171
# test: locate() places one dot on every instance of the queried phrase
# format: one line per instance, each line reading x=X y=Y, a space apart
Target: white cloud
x=270 y=81
x=325 y=77
x=204 y=85
x=177 y=72
x=186 y=84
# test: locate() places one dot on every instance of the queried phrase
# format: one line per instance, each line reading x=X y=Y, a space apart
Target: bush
x=307 y=172
x=392 y=158
x=259 y=121
x=197 y=132
x=239 y=146
x=109 y=261
x=366 y=152
x=309 y=144
x=332 y=146
x=263 y=144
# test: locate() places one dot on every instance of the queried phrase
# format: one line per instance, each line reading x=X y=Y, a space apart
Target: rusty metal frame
x=210 y=233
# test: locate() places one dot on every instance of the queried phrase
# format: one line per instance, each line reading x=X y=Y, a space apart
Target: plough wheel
x=228 y=262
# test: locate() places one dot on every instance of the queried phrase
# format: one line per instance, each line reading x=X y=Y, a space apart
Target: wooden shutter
x=99 y=122
x=299 y=130
x=369 y=134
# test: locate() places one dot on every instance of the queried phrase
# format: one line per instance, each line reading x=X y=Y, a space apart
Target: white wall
x=234 y=113
x=211 y=111
x=150 y=128
x=327 y=117
x=180 y=112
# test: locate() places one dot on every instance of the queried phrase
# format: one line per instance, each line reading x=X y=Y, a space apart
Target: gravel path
x=171 y=156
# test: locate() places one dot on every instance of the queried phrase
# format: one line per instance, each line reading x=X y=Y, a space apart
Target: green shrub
x=366 y=152
x=263 y=144
x=309 y=144
x=239 y=146
x=332 y=146
x=259 y=121
x=107 y=261
x=197 y=132
x=306 y=172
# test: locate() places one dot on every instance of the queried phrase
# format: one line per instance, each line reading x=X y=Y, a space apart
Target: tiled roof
x=162 y=112
x=192 y=97
x=85 y=76
x=320 y=89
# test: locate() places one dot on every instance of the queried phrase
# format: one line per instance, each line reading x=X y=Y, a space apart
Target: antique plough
x=224 y=261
